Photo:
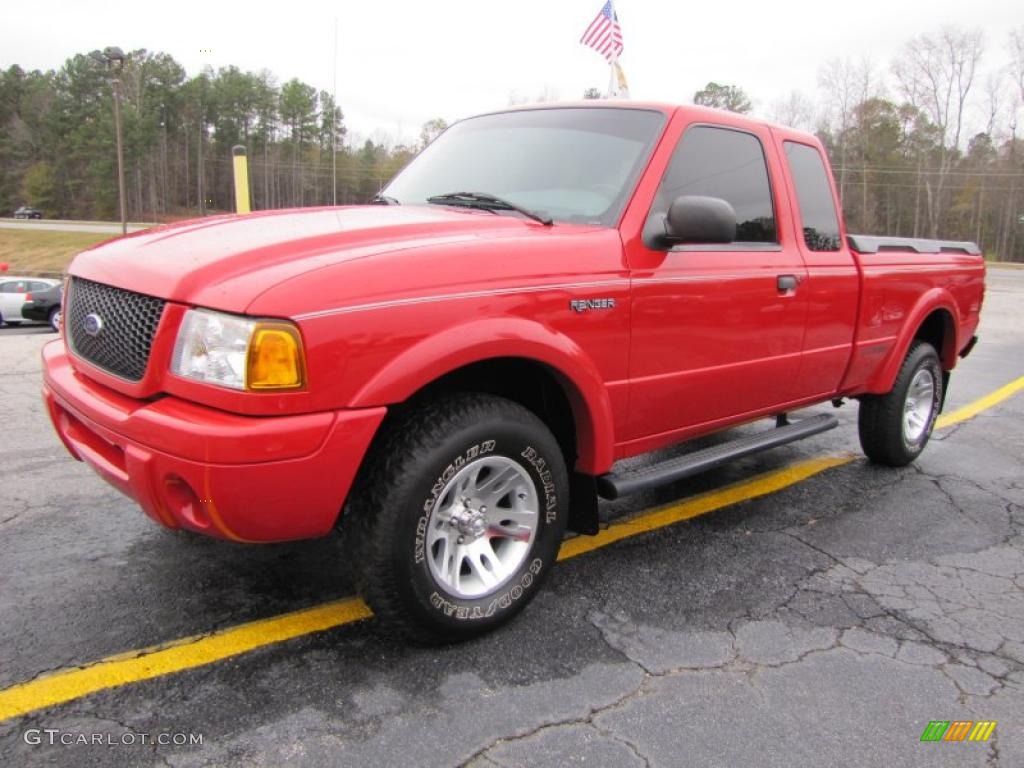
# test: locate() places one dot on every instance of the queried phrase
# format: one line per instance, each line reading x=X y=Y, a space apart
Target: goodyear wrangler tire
x=458 y=518
x=894 y=428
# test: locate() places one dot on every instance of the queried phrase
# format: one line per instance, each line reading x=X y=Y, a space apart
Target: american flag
x=604 y=34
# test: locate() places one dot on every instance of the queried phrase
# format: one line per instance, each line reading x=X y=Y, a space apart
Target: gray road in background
x=62 y=225
x=824 y=625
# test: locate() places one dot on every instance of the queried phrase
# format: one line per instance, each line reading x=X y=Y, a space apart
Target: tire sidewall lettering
x=489 y=607
x=546 y=480
x=463 y=611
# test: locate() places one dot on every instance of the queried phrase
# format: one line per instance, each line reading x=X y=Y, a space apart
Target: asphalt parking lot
x=817 y=616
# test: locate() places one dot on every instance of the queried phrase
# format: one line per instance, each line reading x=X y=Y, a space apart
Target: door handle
x=787 y=283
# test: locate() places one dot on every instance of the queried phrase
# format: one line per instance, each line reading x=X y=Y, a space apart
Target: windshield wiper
x=379 y=199
x=488 y=203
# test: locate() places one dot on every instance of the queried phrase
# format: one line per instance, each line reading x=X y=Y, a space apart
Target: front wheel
x=894 y=428
x=458 y=518
x=54 y=319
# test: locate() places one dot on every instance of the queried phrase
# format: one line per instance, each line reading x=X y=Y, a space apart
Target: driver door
x=717 y=330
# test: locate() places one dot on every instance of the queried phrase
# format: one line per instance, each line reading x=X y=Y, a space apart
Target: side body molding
x=505 y=337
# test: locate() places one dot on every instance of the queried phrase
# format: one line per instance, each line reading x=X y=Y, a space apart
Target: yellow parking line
x=176 y=656
x=971 y=410
x=200 y=650
x=190 y=652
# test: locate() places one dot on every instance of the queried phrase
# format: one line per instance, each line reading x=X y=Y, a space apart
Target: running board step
x=616 y=484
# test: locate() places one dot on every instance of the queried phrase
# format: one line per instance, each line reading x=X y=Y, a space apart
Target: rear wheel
x=458 y=518
x=895 y=427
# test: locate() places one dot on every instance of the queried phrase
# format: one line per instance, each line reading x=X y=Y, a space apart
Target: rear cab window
x=814 y=196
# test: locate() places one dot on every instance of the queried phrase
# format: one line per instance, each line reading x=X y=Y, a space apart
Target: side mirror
x=695 y=219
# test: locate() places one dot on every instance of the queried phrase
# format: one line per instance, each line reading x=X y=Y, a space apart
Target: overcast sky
x=401 y=63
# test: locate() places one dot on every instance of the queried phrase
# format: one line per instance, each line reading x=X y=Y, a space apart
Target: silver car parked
x=13 y=292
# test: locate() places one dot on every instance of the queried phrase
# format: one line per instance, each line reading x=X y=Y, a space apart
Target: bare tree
x=1006 y=236
x=548 y=93
x=430 y=130
x=794 y=110
x=846 y=83
x=995 y=100
x=1017 y=60
x=935 y=74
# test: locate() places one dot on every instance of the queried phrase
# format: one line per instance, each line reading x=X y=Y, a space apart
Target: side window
x=35 y=286
x=729 y=164
x=14 y=286
x=817 y=209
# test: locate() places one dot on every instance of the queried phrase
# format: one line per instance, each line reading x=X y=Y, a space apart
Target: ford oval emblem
x=93 y=324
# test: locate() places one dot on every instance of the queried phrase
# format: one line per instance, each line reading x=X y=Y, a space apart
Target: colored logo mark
x=958 y=730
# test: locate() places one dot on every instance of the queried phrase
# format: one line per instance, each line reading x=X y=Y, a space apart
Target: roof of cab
x=712 y=115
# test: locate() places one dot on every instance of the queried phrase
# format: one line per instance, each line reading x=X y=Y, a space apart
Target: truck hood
x=225 y=262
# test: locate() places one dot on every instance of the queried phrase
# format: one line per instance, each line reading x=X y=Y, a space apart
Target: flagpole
x=613 y=91
x=619 y=78
x=613 y=62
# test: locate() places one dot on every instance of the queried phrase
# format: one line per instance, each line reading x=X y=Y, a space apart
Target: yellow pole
x=241 y=179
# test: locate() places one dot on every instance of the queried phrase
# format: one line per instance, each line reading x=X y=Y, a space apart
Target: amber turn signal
x=276 y=359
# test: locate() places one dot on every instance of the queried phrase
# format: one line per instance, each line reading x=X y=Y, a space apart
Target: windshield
x=572 y=164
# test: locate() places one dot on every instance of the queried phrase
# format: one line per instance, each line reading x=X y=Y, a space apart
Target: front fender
x=480 y=340
x=932 y=300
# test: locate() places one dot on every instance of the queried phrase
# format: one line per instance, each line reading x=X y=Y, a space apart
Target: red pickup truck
x=452 y=373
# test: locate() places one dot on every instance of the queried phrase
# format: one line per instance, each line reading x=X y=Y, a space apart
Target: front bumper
x=244 y=478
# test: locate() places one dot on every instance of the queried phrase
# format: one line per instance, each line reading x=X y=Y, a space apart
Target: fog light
x=184 y=504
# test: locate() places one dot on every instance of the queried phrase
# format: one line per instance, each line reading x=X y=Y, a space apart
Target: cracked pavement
x=825 y=624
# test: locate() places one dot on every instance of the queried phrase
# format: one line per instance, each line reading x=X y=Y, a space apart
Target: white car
x=13 y=292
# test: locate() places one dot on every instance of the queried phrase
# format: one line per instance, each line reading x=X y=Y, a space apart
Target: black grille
x=127 y=322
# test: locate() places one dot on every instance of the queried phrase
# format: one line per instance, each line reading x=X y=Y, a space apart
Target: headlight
x=238 y=352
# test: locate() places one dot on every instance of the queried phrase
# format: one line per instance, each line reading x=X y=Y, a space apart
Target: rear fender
x=516 y=337
x=935 y=299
